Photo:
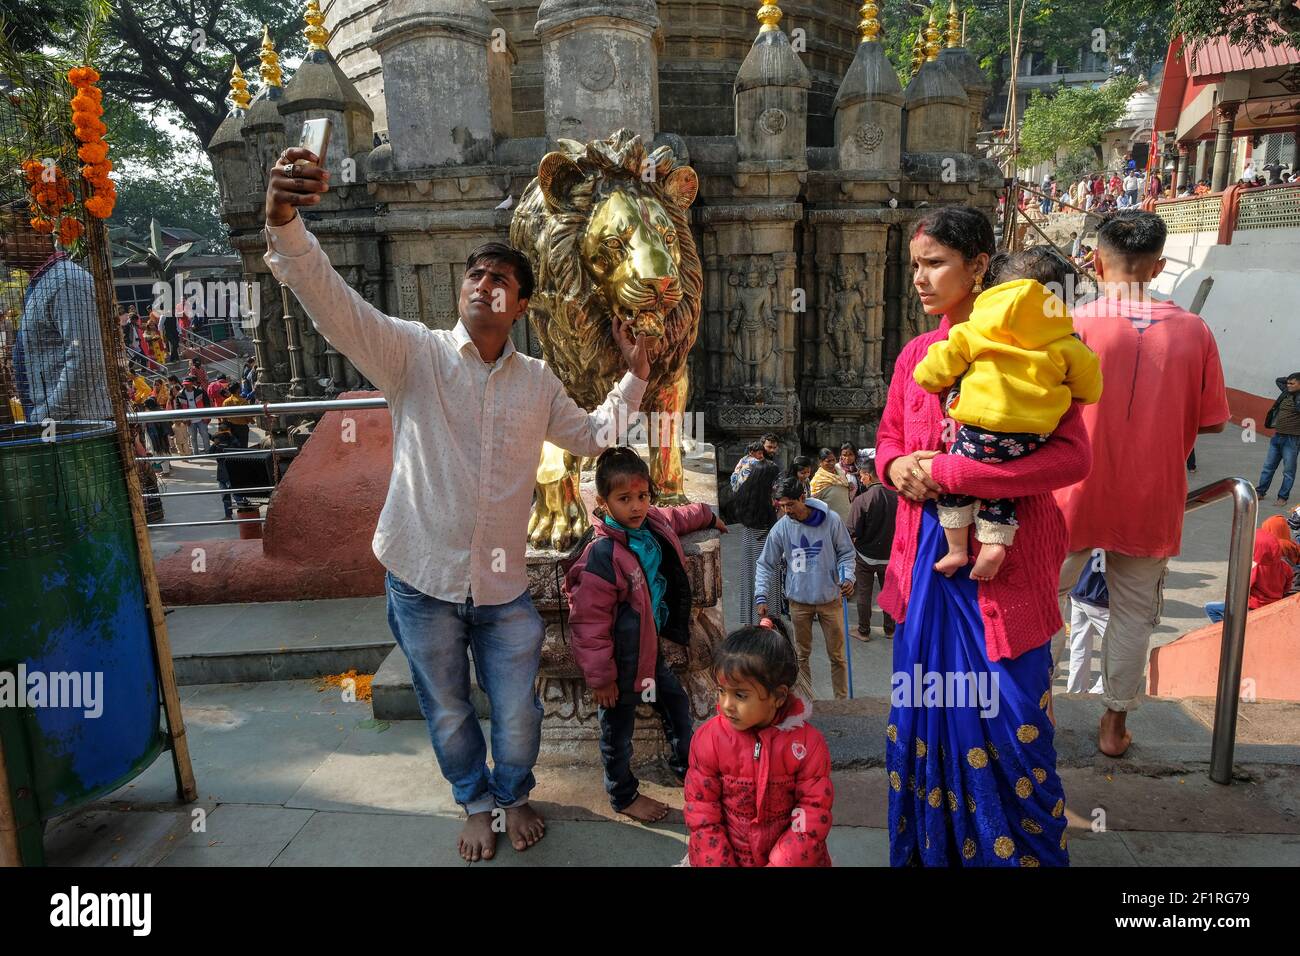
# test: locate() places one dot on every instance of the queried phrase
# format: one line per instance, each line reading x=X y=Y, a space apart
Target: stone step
x=279 y=640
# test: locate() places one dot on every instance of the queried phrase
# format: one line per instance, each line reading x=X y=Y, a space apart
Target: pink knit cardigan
x=1019 y=606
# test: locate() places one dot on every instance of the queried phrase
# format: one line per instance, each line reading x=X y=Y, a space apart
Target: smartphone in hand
x=316 y=137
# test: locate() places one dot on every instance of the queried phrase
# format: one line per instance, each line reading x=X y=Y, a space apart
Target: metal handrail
x=149 y=362
x=232 y=359
x=265 y=409
x=251 y=411
x=1241 y=548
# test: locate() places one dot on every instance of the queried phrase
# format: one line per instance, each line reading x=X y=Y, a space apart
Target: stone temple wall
x=813 y=163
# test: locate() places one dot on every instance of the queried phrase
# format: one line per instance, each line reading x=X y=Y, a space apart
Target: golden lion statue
x=605 y=228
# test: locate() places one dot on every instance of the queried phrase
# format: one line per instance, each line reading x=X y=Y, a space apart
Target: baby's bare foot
x=988 y=562
x=951 y=563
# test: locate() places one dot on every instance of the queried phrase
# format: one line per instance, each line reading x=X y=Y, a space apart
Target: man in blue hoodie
x=818 y=555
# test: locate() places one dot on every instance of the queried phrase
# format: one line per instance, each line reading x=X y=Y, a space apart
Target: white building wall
x=1254 y=306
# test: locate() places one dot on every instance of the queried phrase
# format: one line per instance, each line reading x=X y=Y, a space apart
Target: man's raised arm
x=379 y=345
x=576 y=431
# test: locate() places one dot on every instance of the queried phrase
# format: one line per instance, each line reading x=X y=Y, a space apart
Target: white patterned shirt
x=467 y=436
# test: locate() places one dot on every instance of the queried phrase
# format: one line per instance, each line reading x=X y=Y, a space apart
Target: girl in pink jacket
x=758 y=792
x=627 y=590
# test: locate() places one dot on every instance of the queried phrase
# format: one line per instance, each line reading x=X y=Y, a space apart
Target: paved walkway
x=291 y=775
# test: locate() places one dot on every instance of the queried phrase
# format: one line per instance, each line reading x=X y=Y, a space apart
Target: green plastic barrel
x=82 y=713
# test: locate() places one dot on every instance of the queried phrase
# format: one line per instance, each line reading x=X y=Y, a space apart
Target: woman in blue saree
x=970 y=757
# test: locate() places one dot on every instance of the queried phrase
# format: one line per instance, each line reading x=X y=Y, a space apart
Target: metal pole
x=251 y=411
x=1245 y=508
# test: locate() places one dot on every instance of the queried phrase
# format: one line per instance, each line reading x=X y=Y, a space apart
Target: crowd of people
x=157 y=335
x=784 y=513
x=194 y=436
x=1099 y=193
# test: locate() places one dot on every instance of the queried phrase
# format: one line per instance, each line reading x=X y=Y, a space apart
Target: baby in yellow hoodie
x=1020 y=365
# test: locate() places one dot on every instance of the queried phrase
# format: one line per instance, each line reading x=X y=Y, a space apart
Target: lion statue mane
x=606 y=228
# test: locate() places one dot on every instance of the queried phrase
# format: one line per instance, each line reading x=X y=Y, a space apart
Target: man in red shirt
x=1163 y=387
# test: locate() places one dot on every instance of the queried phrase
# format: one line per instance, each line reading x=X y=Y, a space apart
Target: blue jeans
x=1283 y=449
x=507 y=643
x=1214 y=611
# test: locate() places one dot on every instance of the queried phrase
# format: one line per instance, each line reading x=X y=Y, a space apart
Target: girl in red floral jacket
x=758 y=791
x=628 y=589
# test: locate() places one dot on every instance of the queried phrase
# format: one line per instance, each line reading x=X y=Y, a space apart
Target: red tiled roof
x=1218 y=56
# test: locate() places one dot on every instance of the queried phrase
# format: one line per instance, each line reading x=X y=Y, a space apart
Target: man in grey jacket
x=58 y=356
x=818 y=556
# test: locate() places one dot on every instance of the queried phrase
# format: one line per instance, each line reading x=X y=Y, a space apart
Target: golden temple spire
x=918 y=53
x=239 y=88
x=270 y=68
x=315 y=33
x=869 y=26
x=931 y=40
x=769 y=14
x=954 y=24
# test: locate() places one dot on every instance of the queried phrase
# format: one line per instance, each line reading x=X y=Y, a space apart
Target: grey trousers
x=1136 y=587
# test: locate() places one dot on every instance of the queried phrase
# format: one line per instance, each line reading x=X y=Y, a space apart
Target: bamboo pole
x=101 y=271
x=1013 y=126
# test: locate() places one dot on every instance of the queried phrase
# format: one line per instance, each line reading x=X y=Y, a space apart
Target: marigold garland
x=49 y=198
x=89 y=130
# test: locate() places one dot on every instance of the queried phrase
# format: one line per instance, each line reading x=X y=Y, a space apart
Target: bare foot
x=1112 y=739
x=645 y=809
x=477 y=841
x=524 y=826
x=951 y=563
x=988 y=562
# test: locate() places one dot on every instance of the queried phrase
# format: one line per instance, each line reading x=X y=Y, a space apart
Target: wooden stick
x=1034 y=226
x=10 y=855
x=101 y=270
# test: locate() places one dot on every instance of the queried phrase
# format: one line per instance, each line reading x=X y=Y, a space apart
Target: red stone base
x=319 y=524
x=1189 y=666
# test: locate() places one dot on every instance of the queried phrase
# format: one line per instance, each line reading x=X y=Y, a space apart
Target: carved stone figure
x=754 y=327
x=846 y=326
x=605 y=227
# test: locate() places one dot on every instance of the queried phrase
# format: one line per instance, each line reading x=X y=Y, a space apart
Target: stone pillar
x=938 y=109
x=600 y=68
x=1226 y=114
x=772 y=99
x=963 y=65
x=446 y=70
x=843 y=371
x=869 y=108
x=1180 y=179
x=236 y=179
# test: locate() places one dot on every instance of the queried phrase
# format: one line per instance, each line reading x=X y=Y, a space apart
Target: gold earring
x=978 y=287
